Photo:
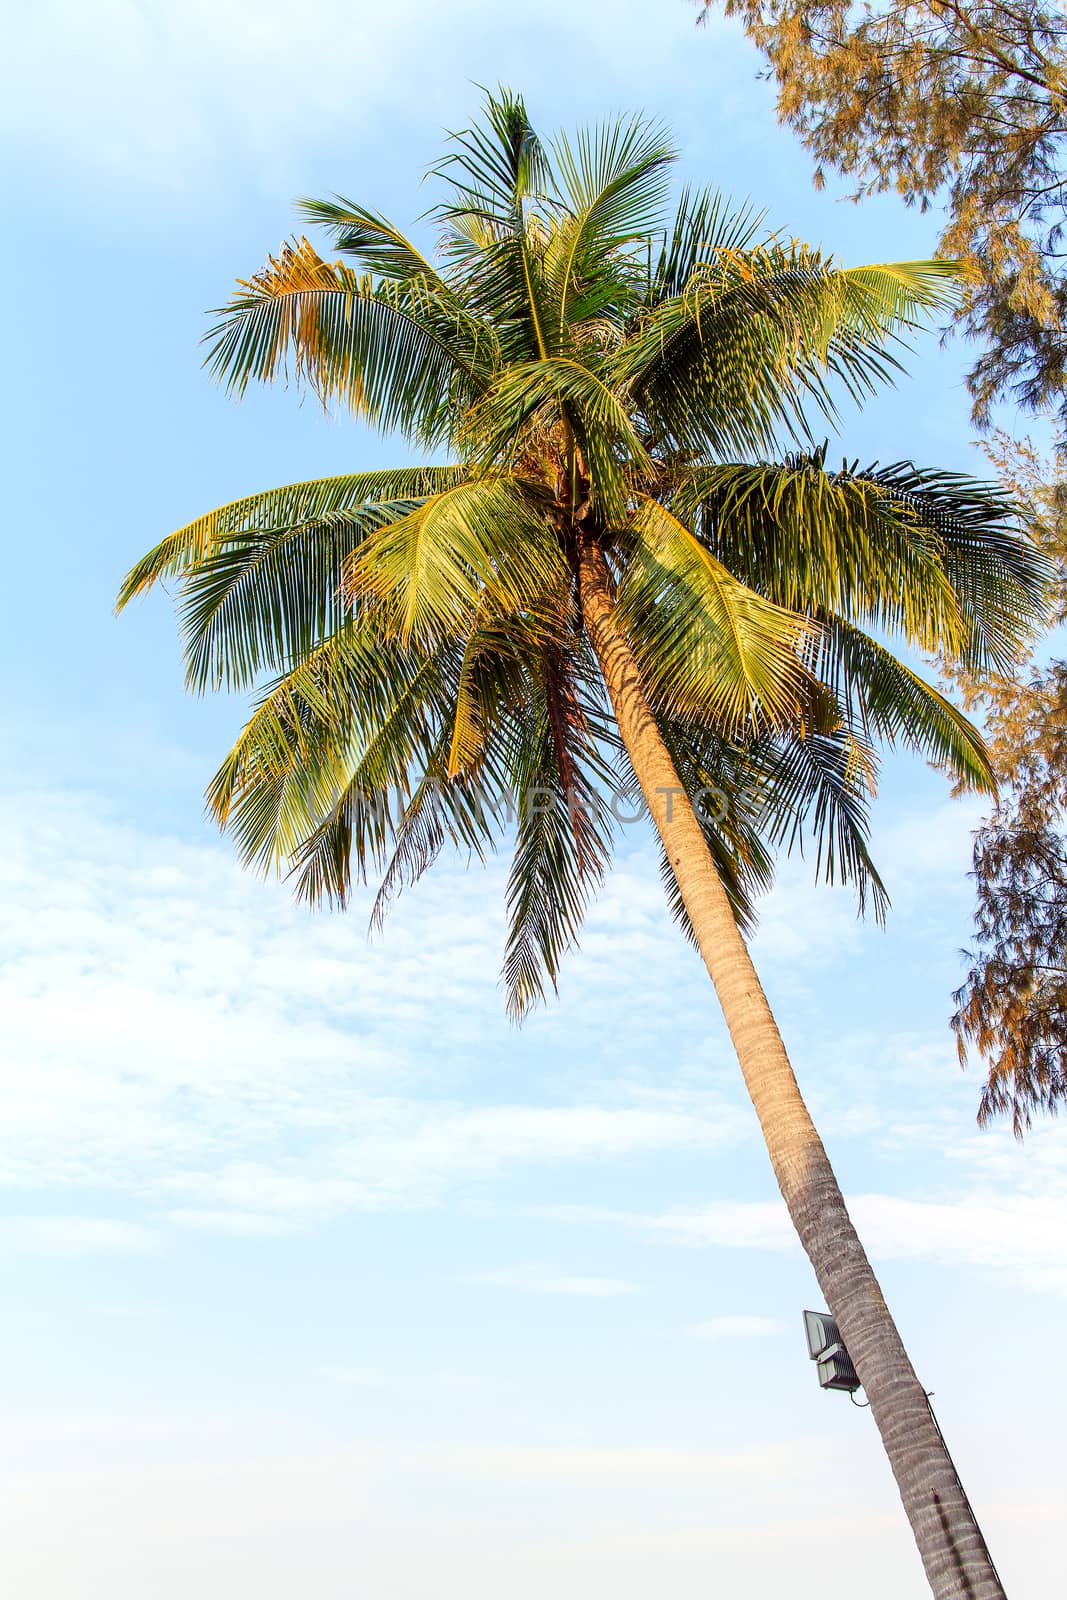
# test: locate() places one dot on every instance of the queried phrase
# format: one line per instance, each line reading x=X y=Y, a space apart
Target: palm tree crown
x=593 y=370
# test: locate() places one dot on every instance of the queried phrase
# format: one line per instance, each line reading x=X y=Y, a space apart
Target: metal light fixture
x=825 y=1346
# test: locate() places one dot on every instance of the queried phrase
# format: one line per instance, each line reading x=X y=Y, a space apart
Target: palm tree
x=611 y=586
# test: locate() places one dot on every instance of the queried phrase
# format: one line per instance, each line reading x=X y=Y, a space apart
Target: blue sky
x=319 y=1276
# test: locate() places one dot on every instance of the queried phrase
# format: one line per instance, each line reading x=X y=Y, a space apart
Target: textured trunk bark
x=953 y=1551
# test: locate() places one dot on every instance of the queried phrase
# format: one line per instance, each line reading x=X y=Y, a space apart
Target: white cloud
x=178 y=1034
x=731 y=1224
x=534 y=1279
x=738 y=1327
x=737 y=1225
x=479 y=1519
x=175 y=1031
x=149 y=91
x=1017 y=1236
x=241 y=1224
x=354 y=1377
x=160 y=89
x=75 y=1235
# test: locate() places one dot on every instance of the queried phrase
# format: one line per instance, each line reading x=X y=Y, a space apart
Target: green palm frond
x=727 y=364
x=933 y=556
x=505 y=287
x=1001 y=580
x=814 y=541
x=705 y=222
x=262 y=601
x=877 y=301
x=885 y=699
x=562 y=387
x=809 y=787
x=494 y=168
x=261 y=579
x=563 y=831
x=613 y=181
x=466 y=796
x=437 y=802
x=275 y=511
x=376 y=243
x=390 y=351
x=345 y=728
x=490 y=683
x=427 y=571
x=402 y=833
x=818 y=787
x=707 y=645
x=439 y=812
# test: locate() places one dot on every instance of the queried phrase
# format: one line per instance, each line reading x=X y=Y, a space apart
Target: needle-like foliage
x=587 y=362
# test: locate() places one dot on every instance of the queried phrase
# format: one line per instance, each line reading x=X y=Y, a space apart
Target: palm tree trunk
x=953 y=1551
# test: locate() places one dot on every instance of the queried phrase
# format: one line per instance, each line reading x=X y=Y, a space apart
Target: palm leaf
x=274 y=511
x=614 y=181
x=390 y=351
x=816 y=786
x=438 y=812
x=376 y=243
x=885 y=699
x=554 y=389
x=493 y=168
x=706 y=644
x=342 y=731
x=466 y=794
x=435 y=802
x=728 y=363
x=933 y=556
x=261 y=579
x=779 y=791
x=813 y=541
x=427 y=571
x=705 y=223
x=563 y=832
x=1001 y=580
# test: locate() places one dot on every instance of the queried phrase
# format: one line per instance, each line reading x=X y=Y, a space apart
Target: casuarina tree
x=961 y=106
x=620 y=565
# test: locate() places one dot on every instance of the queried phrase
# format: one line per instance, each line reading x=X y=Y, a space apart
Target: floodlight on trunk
x=827 y=1350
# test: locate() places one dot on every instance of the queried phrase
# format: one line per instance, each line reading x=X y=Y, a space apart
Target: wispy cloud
x=1017 y=1236
x=241 y=1224
x=75 y=1235
x=758 y=1225
x=178 y=1032
x=535 y=1279
x=144 y=90
x=739 y=1327
x=354 y=1377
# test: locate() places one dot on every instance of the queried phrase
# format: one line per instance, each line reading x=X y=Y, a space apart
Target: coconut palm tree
x=632 y=574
